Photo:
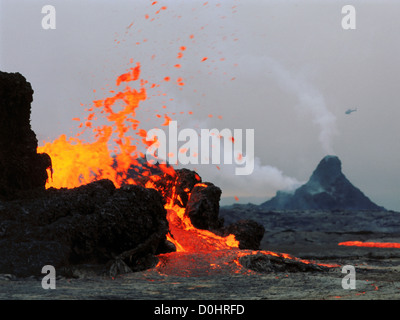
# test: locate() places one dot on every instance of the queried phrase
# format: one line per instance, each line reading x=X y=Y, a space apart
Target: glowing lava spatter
x=77 y=162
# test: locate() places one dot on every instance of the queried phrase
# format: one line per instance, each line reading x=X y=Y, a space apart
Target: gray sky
x=286 y=69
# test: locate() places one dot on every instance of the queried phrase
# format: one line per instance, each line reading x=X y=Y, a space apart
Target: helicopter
x=349 y=111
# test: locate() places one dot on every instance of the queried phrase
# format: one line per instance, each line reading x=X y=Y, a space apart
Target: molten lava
x=77 y=162
x=370 y=244
x=183 y=234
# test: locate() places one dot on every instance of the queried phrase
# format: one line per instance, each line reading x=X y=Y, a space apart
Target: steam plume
x=310 y=100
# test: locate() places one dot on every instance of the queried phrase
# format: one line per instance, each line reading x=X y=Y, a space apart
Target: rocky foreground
x=375 y=279
x=307 y=235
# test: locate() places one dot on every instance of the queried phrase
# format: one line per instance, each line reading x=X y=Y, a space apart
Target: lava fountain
x=76 y=162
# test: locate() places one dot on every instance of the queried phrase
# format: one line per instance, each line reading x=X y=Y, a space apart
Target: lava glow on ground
x=370 y=244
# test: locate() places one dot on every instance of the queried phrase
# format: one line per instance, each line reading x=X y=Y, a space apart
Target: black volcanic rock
x=176 y=186
x=267 y=263
x=21 y=167
x=249 y=233
x=94 y=223
x=327 y=189
x=203 y=207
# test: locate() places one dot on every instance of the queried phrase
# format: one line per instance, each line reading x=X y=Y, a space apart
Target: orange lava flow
x=370 y=244
x=185 y=236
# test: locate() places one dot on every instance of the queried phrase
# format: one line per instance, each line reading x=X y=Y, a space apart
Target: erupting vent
x=77 y=162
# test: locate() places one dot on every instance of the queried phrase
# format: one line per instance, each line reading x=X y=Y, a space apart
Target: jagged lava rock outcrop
x=21 y=167
x=94 y=223
x=327 y=189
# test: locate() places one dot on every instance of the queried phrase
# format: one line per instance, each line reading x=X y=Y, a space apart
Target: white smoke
x=265 y=179
x=310 y=100
x=262 y=183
